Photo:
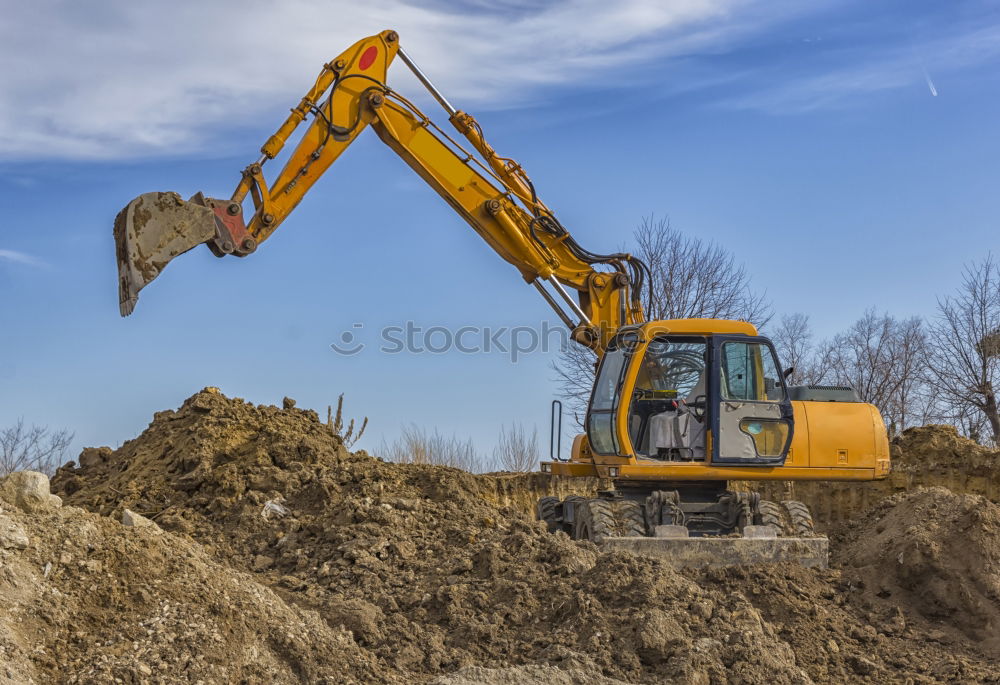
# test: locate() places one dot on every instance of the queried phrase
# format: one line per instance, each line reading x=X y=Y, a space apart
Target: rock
x=29 y=491
x=93 y=456
x=262 y=563
x=12 y=536
x=894 y=624
x=134 y=520
x=287 y=403
x=937 y=635
x=861 y=665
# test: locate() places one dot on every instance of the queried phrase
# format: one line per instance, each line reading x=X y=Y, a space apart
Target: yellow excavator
x=679 y=408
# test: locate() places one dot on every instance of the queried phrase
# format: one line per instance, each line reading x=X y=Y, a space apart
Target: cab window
x=604 y=402
x=750 y=373
x=667 y=412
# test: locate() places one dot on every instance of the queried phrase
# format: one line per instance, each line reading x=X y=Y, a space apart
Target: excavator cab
x=678 y=397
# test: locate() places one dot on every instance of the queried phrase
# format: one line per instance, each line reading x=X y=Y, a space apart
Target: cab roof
x=697 y=326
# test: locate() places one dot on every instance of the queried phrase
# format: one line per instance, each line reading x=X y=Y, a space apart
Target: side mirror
x=788 y=372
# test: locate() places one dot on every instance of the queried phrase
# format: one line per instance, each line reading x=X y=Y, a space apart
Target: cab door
x=749 y=410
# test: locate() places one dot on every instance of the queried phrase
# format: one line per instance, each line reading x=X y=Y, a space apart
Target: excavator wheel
x=600 y=518
x=632 y=519
x=800 y=518
x=546 y=510
x=570 y=527
x=769 y=514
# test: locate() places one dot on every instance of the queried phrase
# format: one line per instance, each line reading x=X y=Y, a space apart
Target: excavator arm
x=492 y=193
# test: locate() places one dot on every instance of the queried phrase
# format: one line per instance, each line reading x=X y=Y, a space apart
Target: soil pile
x=939 y=448
x=936 y=554
x=88 y=600
x=406 y=573
x=425 y=572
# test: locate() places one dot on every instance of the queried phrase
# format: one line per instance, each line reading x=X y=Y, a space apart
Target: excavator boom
x=492 y=193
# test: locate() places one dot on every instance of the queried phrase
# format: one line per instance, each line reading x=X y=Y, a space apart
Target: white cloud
x=20 y=258
x=889 y=67
x=120 y=79
x=125 y=79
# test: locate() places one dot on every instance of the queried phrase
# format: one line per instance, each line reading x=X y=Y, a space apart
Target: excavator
x=680 y=409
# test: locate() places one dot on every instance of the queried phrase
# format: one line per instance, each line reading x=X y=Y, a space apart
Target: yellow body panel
x=695 y=327
x=830 y=441
x=839 y=435
x=660 y=471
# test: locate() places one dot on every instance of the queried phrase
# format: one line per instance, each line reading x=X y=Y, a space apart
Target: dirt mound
x=413 y=560
x=937 y=554
x=940 y=447
x=88 y=600
x=428 y=576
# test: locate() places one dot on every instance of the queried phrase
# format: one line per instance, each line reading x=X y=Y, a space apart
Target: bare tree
x=575 y=369
x=793 y=340
x=884 y=360
x=32 y=449
x=516 y=450
x=862 y=358
x=695 y=279
x=690 y=278
x=913 y=401
x=416 y=446
x=965 y=343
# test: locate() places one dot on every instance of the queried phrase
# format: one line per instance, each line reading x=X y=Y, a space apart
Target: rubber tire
x=631 y=519
x=547 y=510
x=601 y=518
x=769 y=514
x=801 y=519
x=567 y=527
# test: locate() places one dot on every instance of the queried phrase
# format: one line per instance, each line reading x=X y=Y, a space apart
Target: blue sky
x=846 y=152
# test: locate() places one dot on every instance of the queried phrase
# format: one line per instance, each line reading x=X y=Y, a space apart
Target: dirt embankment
x=278 y=556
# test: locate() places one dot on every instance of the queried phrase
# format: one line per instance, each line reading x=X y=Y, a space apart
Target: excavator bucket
x=151 y=230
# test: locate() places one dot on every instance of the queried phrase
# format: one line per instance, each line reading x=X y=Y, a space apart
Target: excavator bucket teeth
x=151 y=230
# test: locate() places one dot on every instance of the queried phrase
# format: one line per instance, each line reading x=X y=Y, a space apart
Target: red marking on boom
x=368 y=58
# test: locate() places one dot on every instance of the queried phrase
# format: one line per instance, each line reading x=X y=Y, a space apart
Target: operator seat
x=678 y=434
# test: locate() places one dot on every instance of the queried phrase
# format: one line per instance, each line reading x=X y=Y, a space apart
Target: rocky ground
x=260 y=550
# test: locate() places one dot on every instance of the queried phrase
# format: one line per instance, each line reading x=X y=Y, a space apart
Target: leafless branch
x=32 y=449
x=516 y=450
x=965 y=339
x=690 y=279
x=885 y=361
x=416 y=446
